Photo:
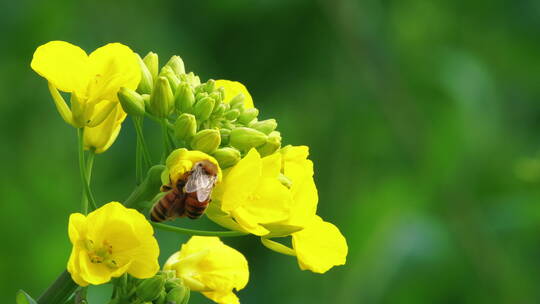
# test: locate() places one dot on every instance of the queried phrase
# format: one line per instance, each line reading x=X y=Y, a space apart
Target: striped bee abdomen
x=193 y=208
x=169 y=206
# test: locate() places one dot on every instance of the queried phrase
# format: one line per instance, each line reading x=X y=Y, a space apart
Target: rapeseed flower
x=109 y=242
x=93 y=80
x=207 y=265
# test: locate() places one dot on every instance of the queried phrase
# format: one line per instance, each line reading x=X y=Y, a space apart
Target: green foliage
x=422 y=119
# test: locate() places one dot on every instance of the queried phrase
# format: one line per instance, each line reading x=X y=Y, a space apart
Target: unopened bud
x=149 y=289
x=238 y=101
x=147 y=82
x=225 y=134
x=210 y=85
x=177 y=295
x=168 y=73
x=203 y=108
x=172 y=283
x=131 y=101
x=246 y=138
x=216 y=96
x=219 y=109
x=146 y=99
x=232 y=114
x=161 y=299
x=151 y=60
x=162 y=98
x=185 y=126
x=192 y=79
x=184 y=98
x=177 y=65
x=206 y=141
x=265 y=126
x=248 y=115
x=227 y=157
x=273 y=143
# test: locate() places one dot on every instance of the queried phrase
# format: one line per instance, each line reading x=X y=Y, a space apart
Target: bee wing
x=201 y=183
x=203 y=194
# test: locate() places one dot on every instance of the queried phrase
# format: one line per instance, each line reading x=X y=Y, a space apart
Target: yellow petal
x=112 y=66
x=93 y=273
x=320 y=246
x=116 y=234
x=222 y=297
x=62 y=64
x=181 y=161
x=207 y=265
x=233 y=88
x=271 y=165
x=100 y=138
x=247 y=173
x=76 y=227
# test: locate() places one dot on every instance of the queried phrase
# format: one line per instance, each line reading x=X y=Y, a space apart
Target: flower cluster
x=218 y=158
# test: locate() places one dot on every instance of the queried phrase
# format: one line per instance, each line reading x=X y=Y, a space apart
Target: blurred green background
x=422 y=118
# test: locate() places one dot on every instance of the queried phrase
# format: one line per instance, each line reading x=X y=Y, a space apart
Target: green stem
x=167 y=146
x=87 y=193
x=197 y=232
x=89 y=166
x=59 y=291
x=144 y=147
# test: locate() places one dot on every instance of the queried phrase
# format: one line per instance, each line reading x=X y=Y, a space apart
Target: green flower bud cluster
x=199 y=117
x=163 y=288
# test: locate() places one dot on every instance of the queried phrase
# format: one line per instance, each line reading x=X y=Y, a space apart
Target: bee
x=190 y=196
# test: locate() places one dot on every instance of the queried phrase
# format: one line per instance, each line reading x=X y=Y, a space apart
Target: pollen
x=102 y=254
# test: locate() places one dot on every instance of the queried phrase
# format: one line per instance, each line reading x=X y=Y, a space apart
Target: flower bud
x=273 y=143
x=225 y=134
x=210 y=85
x=161 y=299
x=248 y=115
x=177 y=65
x=131 y=101
x=168 y=73
x=206 y=141
x=216 y=96
x=185 y=127
x=199 y=94
x=265 y=126
x=151 y=60
x=147 y=82
x=177 y=295
x=227 y=157
x=146 y=99
x=192 y=79
x=219 y=109
x=238 y=101
x=203 y=108
x=184 y=98
x=162 y=98
x=246 y=138
x=149 y=289
x=172 y=283
x=232 y=114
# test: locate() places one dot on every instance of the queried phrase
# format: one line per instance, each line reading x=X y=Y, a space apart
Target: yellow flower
x=181 y=161
x=109 y=242
x=233 y=88
x=100 y=138
x=251 y=196
x=281 y=211
x=207 y=265
x=91 y=79
x=319 y=246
